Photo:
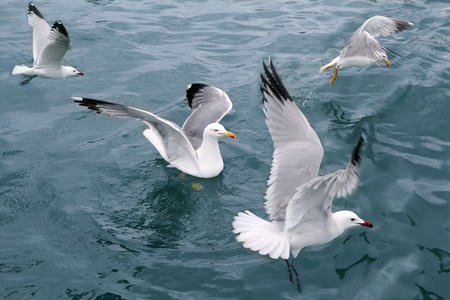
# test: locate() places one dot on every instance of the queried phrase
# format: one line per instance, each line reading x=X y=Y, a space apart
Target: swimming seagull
x=298 y=201
x=192 y=149
x=49 y=47
x=362 y=49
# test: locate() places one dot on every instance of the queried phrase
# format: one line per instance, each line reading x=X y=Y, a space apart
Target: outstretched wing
x=209 y=105
x=384 y=26
x=170 y=140
x=53 y=52
x=312 y=202
x=362 y=43
x=298 y=151
x=41 y=30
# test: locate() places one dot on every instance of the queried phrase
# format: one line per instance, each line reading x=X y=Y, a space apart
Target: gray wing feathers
x=209 y=105
x=53 y=51
x=286 y=122
x=298 y=151
x=296 y=158
x=384 y=26
x=116 y=110
x=314 y=198
x=286 y=175
x=41 y=30
x=363 y=43
x=169 y=134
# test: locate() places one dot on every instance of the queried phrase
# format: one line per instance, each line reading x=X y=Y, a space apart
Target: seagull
x=298 y=201
x=362 y=49
x=192 y=149
x=50 y=44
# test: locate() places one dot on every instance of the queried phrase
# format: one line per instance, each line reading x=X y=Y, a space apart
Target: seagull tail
x=20 y=69
x=333 y=63
x=260 y=235
x=326 y=67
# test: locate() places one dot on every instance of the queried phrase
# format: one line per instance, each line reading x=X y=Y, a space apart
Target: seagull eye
x=215 y=130
x=352 y=219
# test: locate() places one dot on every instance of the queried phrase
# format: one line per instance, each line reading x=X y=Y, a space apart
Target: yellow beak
x=229 y=134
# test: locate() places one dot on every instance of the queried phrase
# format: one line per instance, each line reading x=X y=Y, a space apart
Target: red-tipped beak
x=229 y=134
x=80 y=73
x=367 y=224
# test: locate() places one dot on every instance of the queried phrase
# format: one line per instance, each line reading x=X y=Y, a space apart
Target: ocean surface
x=89 y=209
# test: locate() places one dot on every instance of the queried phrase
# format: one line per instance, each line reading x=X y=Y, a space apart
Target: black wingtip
x=60 y=27
x=32 y=9
x=389 y=50
x=193 y=89
x=401 y=25
x=271 y=82
x=86 y=102
x=356 y=155
x=92 y=104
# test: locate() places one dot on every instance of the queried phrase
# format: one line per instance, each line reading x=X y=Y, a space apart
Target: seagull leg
x=289 y=270
x=387 y=62
x=27 y=80
x=297 y=276
x=335 y=74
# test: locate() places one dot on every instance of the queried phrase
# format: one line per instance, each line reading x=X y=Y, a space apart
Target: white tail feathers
x=260 y=235
x=333 y=63
x=325 y=67
x=20 y=69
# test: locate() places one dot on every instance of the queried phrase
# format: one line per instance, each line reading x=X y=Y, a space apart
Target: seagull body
x=298 y=201
x=362 y=48
x=192 y=149
x=50 y=44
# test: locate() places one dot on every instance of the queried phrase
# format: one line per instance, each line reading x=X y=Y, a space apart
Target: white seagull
x=49 y=47
x=298 y=201
x=192 y=149
x=362 y=49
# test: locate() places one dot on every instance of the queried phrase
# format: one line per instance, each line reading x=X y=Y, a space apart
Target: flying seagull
x=50 y=44
x=362 y=49
x=298 y=201
x=192 y=149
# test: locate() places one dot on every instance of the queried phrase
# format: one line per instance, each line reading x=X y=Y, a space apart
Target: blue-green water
x=88 y=209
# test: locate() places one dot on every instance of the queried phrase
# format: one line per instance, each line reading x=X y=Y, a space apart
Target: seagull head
x=346 y=219
x=71 y=71
x=217 y=130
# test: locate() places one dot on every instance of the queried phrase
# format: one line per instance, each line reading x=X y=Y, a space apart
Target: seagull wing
x=298 y=152
x=363 y=45
x=209 y=105
x=169 y=139
x=384 y=26
x=312 y=202
x=52 y=53
x=362 y=42
x=41 y=30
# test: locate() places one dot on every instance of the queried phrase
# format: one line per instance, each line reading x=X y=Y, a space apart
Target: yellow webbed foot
x=335 y=74
x=387 y=62
x=197 y=186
